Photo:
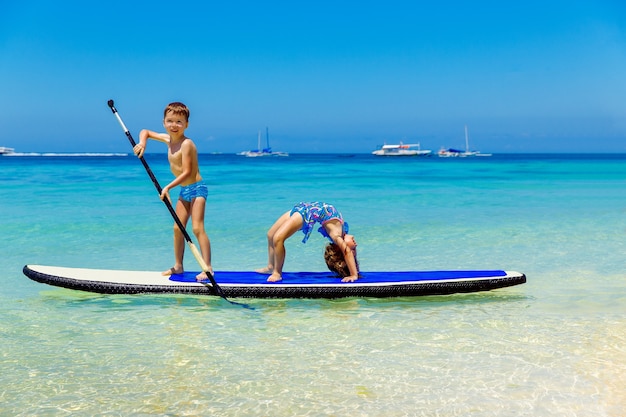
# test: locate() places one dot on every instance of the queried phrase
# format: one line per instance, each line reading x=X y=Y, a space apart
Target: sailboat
x=450 y=152
x=267 y=151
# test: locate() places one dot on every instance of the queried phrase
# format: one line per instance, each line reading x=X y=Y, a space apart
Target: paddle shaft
x=194 y=250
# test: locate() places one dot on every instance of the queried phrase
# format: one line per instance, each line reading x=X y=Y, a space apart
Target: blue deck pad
x=251 y=277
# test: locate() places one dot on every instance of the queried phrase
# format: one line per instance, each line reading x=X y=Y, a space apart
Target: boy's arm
x=146 y=134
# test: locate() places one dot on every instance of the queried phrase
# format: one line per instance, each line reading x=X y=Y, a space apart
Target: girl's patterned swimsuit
x=320 y=213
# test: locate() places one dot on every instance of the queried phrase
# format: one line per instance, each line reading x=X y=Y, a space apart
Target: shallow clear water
x=551 y=347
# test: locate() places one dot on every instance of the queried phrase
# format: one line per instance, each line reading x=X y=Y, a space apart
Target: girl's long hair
x=336 y=262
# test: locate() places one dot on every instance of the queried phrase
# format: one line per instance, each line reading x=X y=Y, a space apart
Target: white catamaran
x=450 y=152
x=267 y=151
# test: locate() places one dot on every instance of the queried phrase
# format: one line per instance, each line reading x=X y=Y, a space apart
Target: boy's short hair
x=177 y=107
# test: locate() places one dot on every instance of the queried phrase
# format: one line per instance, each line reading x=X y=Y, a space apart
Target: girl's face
x=349 y=239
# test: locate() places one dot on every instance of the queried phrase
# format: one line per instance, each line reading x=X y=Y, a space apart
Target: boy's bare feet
x=266 y=270
x=275 y=277
x=202 y=276
x=172 y=271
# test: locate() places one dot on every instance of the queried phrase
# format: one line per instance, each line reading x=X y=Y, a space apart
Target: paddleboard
x=249 y=284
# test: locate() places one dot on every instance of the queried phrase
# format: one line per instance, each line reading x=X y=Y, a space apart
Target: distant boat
x=267 y=151
x=5 y=151
x=450 y=152
x=401 y=150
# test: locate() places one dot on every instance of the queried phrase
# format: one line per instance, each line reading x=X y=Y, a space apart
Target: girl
x=340 y=255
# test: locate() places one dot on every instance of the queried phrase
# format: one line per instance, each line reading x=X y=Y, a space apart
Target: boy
x=183 y=158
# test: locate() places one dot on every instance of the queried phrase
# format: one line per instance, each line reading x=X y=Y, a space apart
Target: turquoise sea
x=555 y=346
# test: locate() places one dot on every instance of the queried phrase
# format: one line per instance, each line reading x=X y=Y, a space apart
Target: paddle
x=194 y=250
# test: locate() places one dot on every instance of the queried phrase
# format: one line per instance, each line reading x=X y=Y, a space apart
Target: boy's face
x=175 y=123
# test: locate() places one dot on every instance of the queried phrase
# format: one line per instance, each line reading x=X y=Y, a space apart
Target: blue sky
x=324 y=76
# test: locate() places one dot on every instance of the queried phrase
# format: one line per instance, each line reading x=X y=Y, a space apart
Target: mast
x=466 y=141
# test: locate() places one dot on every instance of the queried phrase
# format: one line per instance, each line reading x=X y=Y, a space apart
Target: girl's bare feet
x=266 y=270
